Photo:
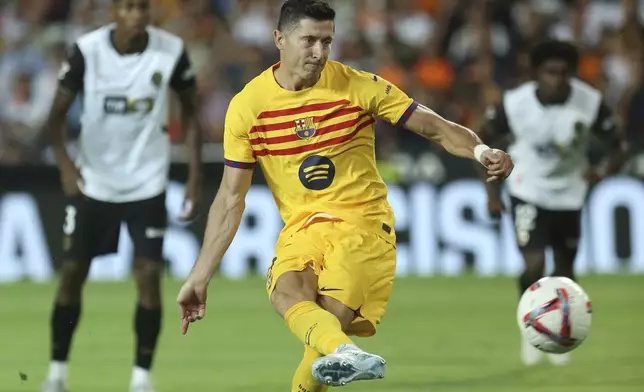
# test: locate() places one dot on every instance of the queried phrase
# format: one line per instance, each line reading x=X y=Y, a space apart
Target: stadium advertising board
x=442 y=231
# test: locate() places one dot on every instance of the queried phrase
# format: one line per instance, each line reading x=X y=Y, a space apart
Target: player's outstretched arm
x=459 y=141
x=223 y=221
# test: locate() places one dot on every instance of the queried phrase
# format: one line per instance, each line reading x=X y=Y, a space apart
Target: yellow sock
x=303 y=380
x=316 y=327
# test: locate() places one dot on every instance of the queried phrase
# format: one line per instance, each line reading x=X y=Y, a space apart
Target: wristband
x=479 y=150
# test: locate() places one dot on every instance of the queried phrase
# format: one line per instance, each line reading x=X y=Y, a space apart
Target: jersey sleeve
x=72 y=71
x=496 y=121
x=605 y=127
x=183 y=76
x=238 y=151
x=382 y=98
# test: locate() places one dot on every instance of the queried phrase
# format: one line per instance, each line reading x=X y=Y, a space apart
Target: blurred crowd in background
x=455 y=56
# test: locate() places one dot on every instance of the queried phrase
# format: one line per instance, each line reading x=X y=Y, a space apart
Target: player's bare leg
x=564 y=266
x=64 y=319
x=147 y=321
x=535 y=261
x=295 y=299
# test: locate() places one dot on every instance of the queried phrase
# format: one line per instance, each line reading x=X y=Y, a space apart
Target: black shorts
x=538 y=228
x=91 y=228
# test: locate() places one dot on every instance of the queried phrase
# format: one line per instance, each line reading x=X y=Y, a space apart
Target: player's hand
x=191 y=201
x=495 y=207
x=593 y=176
x=70 y=178
x=192 y=303
x=499 y=164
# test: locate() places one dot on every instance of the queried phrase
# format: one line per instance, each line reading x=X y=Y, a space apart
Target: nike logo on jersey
x=329 y=289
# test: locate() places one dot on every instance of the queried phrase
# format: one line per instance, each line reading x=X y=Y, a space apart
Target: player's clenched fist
x=499 y=164
x=192 y=303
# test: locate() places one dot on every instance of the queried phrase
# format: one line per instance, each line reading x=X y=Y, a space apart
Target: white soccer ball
x=555 y=315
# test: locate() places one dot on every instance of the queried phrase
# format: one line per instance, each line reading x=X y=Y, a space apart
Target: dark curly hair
x=293 y=11
x=554 y=49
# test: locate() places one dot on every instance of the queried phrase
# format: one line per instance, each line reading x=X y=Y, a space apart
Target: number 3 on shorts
x=524 y=222
x=70 y=220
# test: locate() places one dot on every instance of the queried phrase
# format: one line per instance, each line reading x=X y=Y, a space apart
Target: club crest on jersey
x=305 y=128
x=157 y=78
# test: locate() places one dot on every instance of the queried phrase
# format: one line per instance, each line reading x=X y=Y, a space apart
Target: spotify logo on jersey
x=317 y=172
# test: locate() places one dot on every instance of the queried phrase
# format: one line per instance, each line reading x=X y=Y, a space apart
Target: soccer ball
x=554 y=315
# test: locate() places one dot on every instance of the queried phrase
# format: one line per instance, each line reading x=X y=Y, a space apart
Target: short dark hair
x=554 y=49
x=293 y=11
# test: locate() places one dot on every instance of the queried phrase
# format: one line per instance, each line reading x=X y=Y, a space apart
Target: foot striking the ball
x=348 y=363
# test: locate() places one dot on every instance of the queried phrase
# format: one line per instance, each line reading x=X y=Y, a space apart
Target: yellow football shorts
x=354 y=266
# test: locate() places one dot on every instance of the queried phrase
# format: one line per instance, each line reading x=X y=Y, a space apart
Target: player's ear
x=278 y=37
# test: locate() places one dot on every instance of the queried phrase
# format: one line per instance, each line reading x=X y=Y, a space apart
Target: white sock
x=57 y=371
x=140 y=376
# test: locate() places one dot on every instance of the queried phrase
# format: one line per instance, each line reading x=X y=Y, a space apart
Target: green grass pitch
x=440 y=334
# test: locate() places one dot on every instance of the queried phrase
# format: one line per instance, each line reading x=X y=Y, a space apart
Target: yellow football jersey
x=316 y=146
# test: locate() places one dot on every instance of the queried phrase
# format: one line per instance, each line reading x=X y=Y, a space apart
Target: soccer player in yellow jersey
x=309 y=123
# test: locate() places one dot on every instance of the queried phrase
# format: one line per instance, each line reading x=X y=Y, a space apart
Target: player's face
x=132 y=16
x=553 y=78
x=306 y=48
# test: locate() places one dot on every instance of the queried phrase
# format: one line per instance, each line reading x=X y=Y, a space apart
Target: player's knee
x=278 y=300
x=564 y=262
x=72 y=277
x=147 y=271
x=73 y=273
x=535 y=261
x=292 y=288
x=283 y=300
x=567 y=272
x=564 y=256
x=147 y=274
x=344 y=314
